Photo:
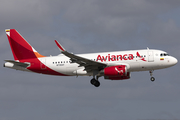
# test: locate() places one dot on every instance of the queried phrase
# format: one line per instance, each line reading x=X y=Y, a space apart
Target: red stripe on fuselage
x=36 y=67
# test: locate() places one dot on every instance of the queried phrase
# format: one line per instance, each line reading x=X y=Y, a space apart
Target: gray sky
x=91 y=26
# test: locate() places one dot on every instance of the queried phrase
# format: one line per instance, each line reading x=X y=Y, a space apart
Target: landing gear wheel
x=95 y=82
x=152 y=79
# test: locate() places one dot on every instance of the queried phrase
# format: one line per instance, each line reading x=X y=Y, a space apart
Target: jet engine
x=118 y=72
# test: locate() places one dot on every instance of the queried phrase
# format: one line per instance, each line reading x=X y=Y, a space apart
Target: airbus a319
x=116 y=65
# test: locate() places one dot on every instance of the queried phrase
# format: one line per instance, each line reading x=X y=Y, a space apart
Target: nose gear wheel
x=152 y=78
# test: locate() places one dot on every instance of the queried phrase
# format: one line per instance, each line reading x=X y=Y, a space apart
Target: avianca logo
x=119 y=71
x=141 y=58
x=115 y=57
x=119 y=57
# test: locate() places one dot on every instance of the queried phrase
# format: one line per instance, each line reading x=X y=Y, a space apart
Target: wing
x=89 y=65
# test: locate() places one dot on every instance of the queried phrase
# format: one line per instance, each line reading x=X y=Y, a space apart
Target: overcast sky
x=83 y=26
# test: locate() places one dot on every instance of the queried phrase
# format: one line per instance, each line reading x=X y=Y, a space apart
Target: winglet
x=60 y=46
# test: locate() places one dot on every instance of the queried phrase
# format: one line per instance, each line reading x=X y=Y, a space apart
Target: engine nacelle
x=118 y=72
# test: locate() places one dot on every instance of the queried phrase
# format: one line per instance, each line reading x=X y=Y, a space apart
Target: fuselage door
x=150 y=56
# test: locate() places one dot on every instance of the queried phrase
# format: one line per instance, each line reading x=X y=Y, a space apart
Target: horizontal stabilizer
x=16 y=63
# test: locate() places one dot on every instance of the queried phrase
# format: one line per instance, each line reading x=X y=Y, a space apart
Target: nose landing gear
x=152 y=78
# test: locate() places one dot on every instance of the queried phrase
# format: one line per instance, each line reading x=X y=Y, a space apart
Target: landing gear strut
x=152 y=78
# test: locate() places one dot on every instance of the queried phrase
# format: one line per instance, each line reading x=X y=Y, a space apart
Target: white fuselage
x=135 y=60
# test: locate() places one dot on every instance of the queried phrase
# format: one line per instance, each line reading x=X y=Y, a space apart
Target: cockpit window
x=164 y=54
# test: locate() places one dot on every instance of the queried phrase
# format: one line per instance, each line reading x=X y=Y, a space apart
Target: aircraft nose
x=174 y=61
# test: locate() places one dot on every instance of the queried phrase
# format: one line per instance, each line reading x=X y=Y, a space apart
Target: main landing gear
x=152 y=78
x=95 y=82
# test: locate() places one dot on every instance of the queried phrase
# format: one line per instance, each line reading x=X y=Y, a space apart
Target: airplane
x=116 y=65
